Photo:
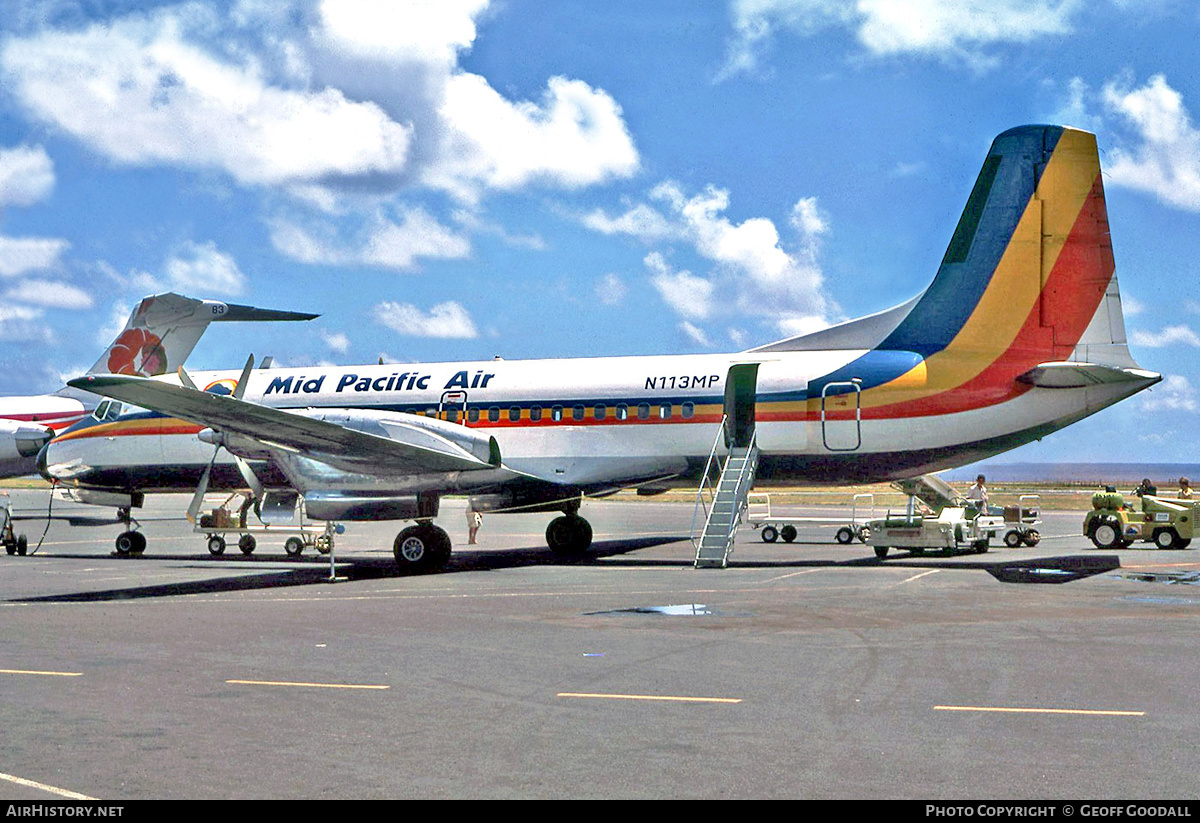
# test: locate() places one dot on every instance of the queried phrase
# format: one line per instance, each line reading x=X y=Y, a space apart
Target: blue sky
x=457 y=179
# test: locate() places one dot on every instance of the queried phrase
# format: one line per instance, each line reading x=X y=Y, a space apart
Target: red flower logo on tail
x=137 y=351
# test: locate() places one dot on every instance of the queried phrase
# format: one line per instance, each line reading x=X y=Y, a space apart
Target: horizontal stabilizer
x=1079 y=375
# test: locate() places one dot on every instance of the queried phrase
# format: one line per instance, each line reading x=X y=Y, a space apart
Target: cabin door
x=841 y=416
x=741 y=386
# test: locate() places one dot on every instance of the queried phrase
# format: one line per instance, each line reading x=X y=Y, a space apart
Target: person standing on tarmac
x=1185 y=489
x=978 y=495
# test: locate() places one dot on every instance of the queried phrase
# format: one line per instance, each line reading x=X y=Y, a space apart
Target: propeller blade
x=256 y=486
x=193 y=510
x=240 y=388
x=186 y=379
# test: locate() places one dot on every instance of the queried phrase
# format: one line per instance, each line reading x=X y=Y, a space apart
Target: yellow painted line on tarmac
x=33 y=784
x=667 y=698
x=43 y=674
x=1018 y=710
x=305 y=685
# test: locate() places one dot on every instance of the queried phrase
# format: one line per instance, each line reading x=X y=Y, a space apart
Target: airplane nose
x=42 y=461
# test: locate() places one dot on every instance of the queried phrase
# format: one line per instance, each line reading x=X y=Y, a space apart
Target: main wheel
x=246 y=544
x=769 y=534
x=216 y=545
x=294 y=546
x=23 y=545
x=421 y=548
x=569 y=534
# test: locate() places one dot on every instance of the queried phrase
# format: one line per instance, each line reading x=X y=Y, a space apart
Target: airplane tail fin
x=164 y=328
x=1028 y=280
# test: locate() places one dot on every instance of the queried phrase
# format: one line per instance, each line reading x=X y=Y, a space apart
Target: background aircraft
x=1019 y=334
x=159 y=335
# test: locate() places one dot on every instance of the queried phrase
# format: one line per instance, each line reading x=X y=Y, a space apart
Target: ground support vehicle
x=230 y=517
x=937 y=517
x=948 y=530
x=771 y=527
x=1114 y=523
x=13 y=543
x=1021 y=522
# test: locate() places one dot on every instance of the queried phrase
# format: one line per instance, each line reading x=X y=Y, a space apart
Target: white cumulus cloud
x=943 y=29
x=26 y=175
x=19 y=255
x=202 y=268
x=1169 y=336
x=1166 y=161
x=444 y=320
x=1174 y=393
x=141 y=91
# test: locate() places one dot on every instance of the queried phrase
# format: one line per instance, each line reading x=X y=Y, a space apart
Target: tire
x=769 y=534
x=23 y=545
x=216 y=545
x=1012 y=539
x=980 y=546
x=844 y=535
x=139 y=544
x=421 y=548
x=11 y=547
x=881 y=552
x=788 y=533
x=1167 y=538
x=293 y=546
x=126 y=543
x=1106 y=533
x=1032 y=538
x=569 y=535
x=247 y=544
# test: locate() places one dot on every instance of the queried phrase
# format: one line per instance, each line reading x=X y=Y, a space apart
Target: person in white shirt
x=978 y=495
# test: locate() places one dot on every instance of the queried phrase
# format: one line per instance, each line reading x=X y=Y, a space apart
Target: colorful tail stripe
x=1025 y=272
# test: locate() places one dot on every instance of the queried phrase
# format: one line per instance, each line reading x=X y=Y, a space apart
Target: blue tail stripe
x=999 y=199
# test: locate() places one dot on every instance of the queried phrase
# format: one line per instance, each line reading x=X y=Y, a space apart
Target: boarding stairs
x=722 y=503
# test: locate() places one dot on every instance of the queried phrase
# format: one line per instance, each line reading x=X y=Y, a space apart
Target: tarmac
x=804 y=670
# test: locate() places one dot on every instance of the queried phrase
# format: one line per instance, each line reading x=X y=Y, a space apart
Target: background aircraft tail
x=164 y=328
x=1028 y=276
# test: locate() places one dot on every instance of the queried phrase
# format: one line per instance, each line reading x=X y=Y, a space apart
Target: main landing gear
x=421 y=548
x=424 y=547
x=569 y=535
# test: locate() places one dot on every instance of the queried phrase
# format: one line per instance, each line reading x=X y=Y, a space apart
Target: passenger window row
x=600 y=411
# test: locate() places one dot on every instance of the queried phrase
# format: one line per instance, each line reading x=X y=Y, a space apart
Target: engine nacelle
x=20 y=439
x=339 y=506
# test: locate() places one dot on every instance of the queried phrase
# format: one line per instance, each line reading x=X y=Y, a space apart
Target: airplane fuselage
x=591 y=423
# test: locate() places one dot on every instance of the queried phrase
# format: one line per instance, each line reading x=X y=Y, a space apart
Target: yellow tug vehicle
x=1113 y=523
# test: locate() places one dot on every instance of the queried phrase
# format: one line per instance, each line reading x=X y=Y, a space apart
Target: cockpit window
x=114 y=411
x=102 y=409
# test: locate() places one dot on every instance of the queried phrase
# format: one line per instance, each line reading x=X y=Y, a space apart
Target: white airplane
x=1019 y=334
x=159 y=335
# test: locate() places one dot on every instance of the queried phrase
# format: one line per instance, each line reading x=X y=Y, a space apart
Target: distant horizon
x=1076 y=472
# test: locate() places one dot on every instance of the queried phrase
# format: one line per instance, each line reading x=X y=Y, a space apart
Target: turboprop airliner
x=1019 y=334
x=159 y=335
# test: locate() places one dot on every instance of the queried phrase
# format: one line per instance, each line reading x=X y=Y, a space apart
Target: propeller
x=218 y=440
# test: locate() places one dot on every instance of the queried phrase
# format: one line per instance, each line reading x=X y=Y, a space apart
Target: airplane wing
x=414 y=447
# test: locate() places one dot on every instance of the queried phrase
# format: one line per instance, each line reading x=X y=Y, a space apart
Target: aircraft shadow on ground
x=315 y=570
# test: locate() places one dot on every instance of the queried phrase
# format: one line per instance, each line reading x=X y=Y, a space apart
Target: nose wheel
x=569 y=535
x=130 y=544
